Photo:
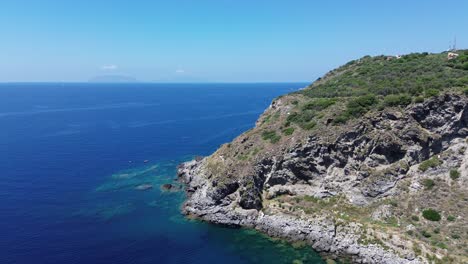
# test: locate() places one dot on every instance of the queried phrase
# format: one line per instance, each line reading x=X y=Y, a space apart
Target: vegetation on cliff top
x=374 y=83
x=411 y=74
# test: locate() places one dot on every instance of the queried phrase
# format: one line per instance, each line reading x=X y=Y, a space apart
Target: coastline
x=366 y=220
x=329 y=238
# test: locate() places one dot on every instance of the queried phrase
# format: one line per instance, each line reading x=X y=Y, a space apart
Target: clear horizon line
x=145 y=82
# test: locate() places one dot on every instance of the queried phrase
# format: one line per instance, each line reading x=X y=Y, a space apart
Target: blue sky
x=214 y=40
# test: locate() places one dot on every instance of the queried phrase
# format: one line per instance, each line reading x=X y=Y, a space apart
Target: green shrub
x=271 y=136
x=451 y=218
x=415 y=218
x=293 y=117
x=397 y=100
x=361 y=104
x=242 y=157
x=455 y=236
x=341 y=119
x=301 y=117
x=465 y=66
x=441 y=245
x=288 y=131
x=431 y=215
x=319 y=104
x=454 y=174
x=357 y=107
x=426 y=234
x=430 y=163
x=309 y=125
x=419 y=99
x=428 y=184
x=431 y=92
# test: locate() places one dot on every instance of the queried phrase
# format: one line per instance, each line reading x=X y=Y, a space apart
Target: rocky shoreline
x=367 y=164
x=325 y=235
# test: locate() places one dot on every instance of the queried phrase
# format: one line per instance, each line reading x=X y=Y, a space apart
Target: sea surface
x=72 y=155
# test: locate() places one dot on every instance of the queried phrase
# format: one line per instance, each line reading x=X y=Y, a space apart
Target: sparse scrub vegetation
x=426 y=233
x=357 y=107
x=319 y=104
x=431 y=92
x=454 y=174
x=397 y=100
x=428 y=184
x=288 y=131
x=430 y=163
x=271 y=136
x=303 y=119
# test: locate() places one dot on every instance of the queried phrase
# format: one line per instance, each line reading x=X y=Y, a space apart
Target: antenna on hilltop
x=455 y=43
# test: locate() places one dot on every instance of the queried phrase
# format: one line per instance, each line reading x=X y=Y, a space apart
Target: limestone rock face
x=364 y=163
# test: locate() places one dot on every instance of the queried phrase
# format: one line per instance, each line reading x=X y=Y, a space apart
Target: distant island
x=369 y=164
x=113 y=79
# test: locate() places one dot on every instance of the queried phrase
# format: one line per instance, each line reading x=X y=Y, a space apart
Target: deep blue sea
x=72 y=155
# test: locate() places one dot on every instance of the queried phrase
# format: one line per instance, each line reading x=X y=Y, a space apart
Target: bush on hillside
x=303 y=119
x=431 y=92
x=419 y=99
x=319 y=104
x=454 y=174
x=430 y=163
x=451 y=218
x=288 y=131
x=397 y=100
x=271 y=136
x=357 y=107
x=309 y=125
x=431 y=215
x=426 y=233
x=428 y=184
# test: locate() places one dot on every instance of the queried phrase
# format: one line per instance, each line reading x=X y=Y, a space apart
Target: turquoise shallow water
x=161 y=218
x=72 y=158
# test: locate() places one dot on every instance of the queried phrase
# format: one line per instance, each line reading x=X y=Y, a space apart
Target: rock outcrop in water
x=359 y=188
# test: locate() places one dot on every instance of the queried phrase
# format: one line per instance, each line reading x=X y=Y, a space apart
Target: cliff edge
x=368 y=163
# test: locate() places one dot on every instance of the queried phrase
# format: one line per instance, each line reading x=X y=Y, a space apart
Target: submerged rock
x=167 y=187
x=144 y=187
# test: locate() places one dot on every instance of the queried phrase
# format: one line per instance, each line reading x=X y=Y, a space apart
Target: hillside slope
x=368 y=163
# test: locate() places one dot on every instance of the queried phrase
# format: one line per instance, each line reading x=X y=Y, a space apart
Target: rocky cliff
x=374 y=177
